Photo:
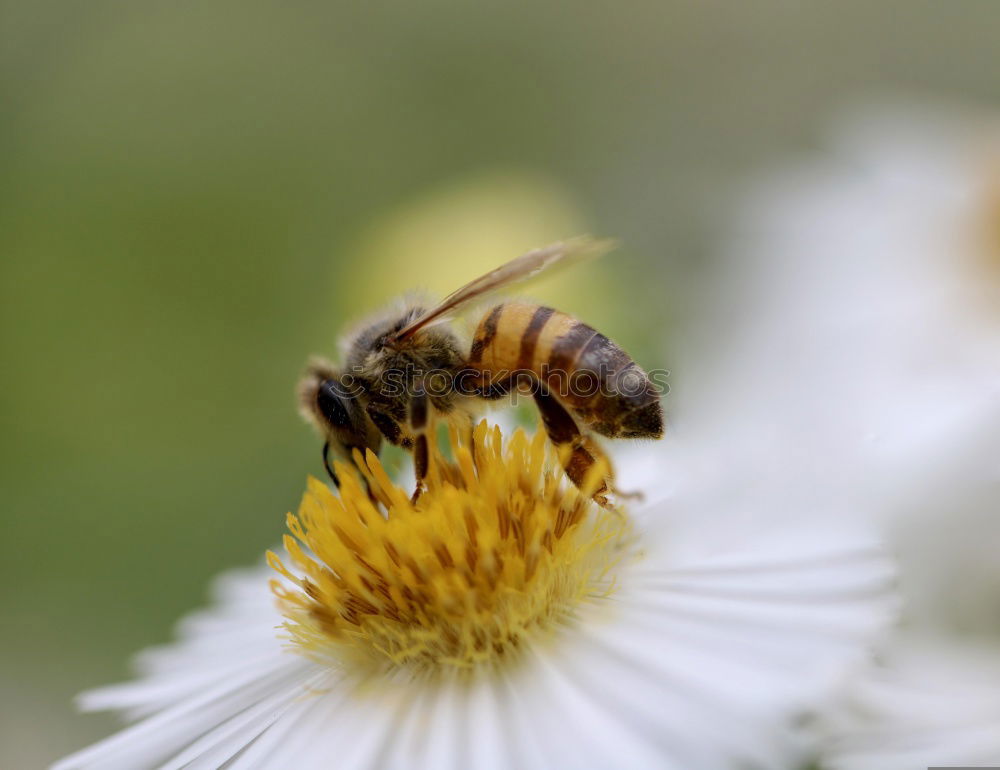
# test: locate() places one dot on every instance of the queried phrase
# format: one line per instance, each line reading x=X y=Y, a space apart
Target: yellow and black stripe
x=580 y=365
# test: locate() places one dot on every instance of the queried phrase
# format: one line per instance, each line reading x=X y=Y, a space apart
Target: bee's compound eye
x=330 y=401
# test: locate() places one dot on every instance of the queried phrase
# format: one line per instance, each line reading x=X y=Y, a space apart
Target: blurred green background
x=196 y=196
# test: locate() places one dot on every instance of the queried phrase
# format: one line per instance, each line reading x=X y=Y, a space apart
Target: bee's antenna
x=326 y=464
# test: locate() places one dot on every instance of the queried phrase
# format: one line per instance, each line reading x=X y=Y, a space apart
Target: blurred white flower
x=864 y=296
x=932 y=703
x=730 y=615
x=862 y=291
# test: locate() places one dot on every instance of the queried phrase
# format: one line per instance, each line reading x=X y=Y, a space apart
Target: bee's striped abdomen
x=589 y=373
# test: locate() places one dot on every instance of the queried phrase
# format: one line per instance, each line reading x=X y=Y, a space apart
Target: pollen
x=497 y=553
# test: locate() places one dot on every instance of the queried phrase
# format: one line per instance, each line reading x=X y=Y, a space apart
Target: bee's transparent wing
x=522 y=268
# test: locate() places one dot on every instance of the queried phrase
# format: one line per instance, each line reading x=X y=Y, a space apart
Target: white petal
x=932 y=703
x=162 y=735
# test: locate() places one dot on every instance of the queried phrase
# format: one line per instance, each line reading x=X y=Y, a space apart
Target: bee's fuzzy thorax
x=406 y=306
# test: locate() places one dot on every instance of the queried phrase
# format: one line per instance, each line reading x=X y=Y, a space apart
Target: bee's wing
x=520 y=269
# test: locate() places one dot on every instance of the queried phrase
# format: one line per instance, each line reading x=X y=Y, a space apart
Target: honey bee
x=403 y=371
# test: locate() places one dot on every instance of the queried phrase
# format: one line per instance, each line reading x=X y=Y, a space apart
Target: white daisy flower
x=932 y=703
x=862 y=291
x=507 y=622
x=862 y=301
x=937 y=170
x=873 y=278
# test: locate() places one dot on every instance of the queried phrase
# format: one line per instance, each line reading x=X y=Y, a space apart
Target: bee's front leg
x=326 y=464
x=387 y=425
x=415 y=438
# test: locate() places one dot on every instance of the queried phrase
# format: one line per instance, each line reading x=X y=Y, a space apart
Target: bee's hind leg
x=583 y=454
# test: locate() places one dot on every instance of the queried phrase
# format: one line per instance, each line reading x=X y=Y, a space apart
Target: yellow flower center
x=496 y=553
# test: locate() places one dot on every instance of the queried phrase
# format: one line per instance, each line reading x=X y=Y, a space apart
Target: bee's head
x=332 y=403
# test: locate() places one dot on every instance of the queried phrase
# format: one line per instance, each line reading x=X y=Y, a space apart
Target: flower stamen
x=497 y=552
